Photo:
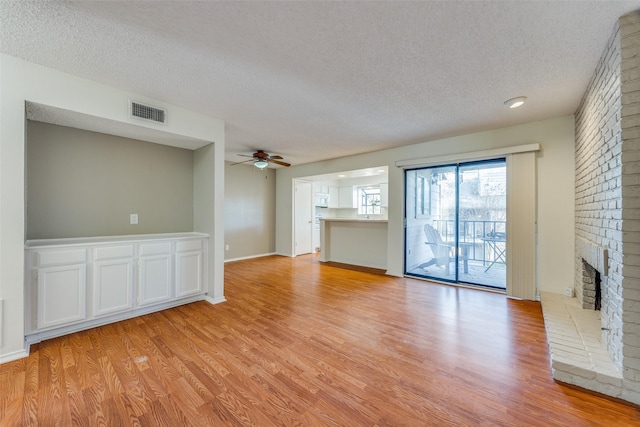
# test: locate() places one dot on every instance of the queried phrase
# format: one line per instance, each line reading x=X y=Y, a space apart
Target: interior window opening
x=369 y=201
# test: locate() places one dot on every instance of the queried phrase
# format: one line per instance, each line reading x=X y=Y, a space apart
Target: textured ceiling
x=317 y=80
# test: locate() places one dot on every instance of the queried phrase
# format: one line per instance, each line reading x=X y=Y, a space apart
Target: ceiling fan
x=261 y=160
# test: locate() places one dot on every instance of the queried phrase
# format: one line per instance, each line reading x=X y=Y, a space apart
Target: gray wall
x=249 y=211
x=82 y=183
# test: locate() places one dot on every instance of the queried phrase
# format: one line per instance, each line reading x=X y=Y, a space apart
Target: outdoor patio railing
x=471 y=233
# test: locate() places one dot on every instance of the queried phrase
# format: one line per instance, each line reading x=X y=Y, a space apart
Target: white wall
x=21 y=81
x=555 y=182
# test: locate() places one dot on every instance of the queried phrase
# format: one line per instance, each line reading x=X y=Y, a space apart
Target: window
x=369 y=201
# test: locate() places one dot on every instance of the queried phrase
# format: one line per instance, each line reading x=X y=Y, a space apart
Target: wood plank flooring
x=304 y=344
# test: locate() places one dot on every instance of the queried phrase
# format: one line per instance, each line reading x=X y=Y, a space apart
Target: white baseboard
x=250 y=257
x=214 y=300
x=15 y=355
x=37 y=336
x=285 y=255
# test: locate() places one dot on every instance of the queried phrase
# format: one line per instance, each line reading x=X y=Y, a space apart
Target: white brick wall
x=629 y=299
x=599 y=207
x=607 y=199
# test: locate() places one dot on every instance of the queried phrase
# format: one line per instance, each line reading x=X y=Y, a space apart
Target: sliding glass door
x=456 y=223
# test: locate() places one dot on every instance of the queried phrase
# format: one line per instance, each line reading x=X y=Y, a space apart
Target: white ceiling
x=314 y=80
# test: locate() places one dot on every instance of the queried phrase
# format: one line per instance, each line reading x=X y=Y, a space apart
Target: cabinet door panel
x=334 y=197
x=155 y=279
x=188 y=273
x=61 y=295
x=347 y=197
x=112 y=282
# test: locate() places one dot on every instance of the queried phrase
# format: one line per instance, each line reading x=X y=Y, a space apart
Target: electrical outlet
x=568 y=292
x=133 y=219
x=226 y=247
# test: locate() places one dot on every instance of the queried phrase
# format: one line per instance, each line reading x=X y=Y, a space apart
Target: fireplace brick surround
x=607 y=228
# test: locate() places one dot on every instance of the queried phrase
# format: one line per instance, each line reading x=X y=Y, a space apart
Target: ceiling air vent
x=148 y=113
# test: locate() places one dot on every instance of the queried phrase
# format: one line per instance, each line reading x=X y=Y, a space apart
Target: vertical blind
x=521 y=225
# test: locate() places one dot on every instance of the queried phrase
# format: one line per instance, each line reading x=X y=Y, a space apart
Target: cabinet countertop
x=354 y=220
x=73 y=241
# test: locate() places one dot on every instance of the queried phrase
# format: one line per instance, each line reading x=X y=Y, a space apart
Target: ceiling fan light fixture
x=261 y=164
x=515 y=102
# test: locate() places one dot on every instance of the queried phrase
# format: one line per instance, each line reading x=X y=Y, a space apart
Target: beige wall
x=82 y=184
x=554 y=180
x=249 y=211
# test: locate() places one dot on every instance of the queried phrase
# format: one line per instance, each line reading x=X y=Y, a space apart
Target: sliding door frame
x=456 y=169
x=521 y=209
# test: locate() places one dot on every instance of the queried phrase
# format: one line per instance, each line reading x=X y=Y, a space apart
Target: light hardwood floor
x=304 y=344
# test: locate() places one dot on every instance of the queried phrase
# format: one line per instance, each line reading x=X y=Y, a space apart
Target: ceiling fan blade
x=277 y=162
x=244 y=155
x=239 y=163
x=277 y=157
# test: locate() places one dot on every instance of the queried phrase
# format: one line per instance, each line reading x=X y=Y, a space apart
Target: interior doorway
x=303 y=217
x=456 y=222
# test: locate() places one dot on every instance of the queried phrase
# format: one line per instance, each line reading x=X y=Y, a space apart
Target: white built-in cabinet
x=321 y=188
x=60 y=280
x=334 y=197
x=154 y=274
x=188 y=277
x=347 y=197
x=75 y=284
x=112 y=279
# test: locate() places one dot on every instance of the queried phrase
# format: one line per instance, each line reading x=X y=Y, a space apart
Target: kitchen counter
x=353 y=220
x=356 y=241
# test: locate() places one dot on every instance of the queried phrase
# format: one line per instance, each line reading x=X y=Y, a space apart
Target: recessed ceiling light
x=515 y=102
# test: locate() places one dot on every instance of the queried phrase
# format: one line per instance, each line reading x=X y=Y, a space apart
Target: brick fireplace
x=607 y=221
x=591 y=258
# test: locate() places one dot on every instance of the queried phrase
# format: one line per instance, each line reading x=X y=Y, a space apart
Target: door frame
x=457 y=166
x=297 y=212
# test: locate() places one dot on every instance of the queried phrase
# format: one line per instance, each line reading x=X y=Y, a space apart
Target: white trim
x=55 y=332
x=250 y=257
x=214 y=301
x=463 y=157
x=14 y=355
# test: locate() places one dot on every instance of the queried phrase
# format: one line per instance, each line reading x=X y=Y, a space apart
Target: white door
x=303 y=209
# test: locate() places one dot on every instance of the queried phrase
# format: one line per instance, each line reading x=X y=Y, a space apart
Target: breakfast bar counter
x=354 y=241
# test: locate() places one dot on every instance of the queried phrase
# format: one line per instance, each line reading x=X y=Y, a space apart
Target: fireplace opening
x=590 y=290
x=598 y=298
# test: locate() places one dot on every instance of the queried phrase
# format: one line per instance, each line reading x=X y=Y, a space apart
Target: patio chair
x=443 y=253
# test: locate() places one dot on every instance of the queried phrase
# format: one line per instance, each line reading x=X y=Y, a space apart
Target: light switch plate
x=133 y=219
